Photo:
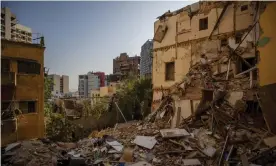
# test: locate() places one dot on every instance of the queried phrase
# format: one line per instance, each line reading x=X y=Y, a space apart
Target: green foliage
x=59 y=128
x=134 y=91
x=100 y=107
x=48 y=82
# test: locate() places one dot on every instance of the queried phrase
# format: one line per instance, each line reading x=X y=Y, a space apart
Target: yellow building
x=182 y=36
x=266 y=66
x=22 y=91
x=211 y=29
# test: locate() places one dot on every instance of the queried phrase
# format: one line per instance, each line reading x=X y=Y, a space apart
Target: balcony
x=8 y=78
x=13 y=22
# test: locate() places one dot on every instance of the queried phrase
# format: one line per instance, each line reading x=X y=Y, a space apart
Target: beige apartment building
x=60 y=84
x=23 y=33
x=11 y=30
x=8 y=22
x=64 y=84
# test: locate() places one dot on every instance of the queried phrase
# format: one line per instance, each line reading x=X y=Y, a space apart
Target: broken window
x=203 y=23
x=251 y=61
x=238 y=38
x=26 y=67
x=5 y=65
x=5 y=105
x=244 y=7
x=169 y=71
x=223 y=42
x=27 y=107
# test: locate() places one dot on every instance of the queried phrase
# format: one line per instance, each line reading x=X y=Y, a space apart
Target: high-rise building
x=126 y=65
x=23 y=33
x=146 y=59
x=102 y=78
x=55 y=87
x=60 y=85
x=88 y=82
x=83 y=86
x=93 y=82
x=8 y=22
x=64 y=84
x=11 y=30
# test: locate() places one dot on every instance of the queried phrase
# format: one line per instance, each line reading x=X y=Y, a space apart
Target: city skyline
x=78 y=42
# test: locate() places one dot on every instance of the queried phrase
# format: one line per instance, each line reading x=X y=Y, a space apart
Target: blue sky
x=86 y=36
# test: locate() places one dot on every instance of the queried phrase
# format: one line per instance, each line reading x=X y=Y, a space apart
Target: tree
x=48 y=83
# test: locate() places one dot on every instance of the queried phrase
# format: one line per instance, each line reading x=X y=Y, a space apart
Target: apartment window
x=169 y=71
x=5 y=105
x=238 y=38
x=26 y=67
x=5 y=65
x=27 y=107
x=223 y=42
x=244 y=7
x=203 y=23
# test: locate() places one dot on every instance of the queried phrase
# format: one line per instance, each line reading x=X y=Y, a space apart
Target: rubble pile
x=212 y=138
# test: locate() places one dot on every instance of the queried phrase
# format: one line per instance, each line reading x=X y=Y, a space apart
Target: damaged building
x=214 y=46
x=22 y=91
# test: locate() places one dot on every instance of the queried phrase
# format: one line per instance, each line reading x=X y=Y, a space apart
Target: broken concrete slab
x=171 y=133
x=270 y=141
x=145 y=141
x=233 y=97
x=12 y=146
x=209 y=151
x=116 y=145
x=191 y=162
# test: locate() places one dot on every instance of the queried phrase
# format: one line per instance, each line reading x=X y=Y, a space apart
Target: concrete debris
x=12 y=146
x=116 y=145
x=191 y=162
x=171 y=133
x=144 y=141
x=209 y=151
x=270 y=141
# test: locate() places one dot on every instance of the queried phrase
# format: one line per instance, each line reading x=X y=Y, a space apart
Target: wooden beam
x=219 y=19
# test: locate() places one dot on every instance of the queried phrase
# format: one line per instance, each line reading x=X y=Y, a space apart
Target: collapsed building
x=208 y=47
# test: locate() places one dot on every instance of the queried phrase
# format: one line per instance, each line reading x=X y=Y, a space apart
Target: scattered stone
x=144 y=141
x=116 y=145
x=191 y=162
x=270 y=141
x=12 y=146
x=209 y=151
x=171 y=133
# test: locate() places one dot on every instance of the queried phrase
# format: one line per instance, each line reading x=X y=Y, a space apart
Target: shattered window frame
x=26 y=67
x=244 y=8
x=5 y=65
x=203 y=24
x=31 y=107
x=238 y=38
x=170 y=71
